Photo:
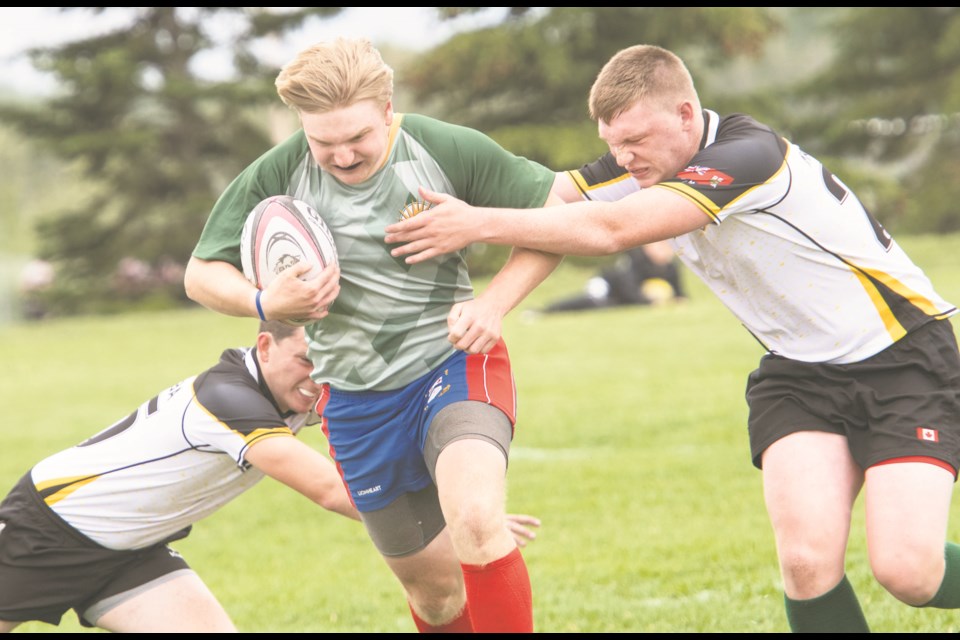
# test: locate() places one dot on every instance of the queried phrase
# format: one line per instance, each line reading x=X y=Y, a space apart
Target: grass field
x=631 y=446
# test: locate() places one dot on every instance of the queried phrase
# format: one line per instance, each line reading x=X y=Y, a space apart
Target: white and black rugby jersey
x=176 y=459
x=791 y=252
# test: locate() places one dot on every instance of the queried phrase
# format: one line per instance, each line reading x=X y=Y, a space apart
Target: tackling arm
x=579 y=228
x=476 y=325
x=303 y=468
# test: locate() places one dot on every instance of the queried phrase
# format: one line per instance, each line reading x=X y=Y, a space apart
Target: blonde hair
x=331 y=75
x=636 y=73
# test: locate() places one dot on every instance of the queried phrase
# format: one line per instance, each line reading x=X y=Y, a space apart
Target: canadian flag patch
x=930 y=435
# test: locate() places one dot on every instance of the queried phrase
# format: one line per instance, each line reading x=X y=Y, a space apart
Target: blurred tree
x=157 y=142
x=888 y=111
x=526 y=81
x=874 y=92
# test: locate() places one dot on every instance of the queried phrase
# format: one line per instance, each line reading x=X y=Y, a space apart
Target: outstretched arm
x=476 y=325
x=578 y=228
x=303 y=468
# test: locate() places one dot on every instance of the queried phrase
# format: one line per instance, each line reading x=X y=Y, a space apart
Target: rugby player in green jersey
x=419 y=424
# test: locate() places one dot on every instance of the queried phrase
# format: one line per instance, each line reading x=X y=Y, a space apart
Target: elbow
x=191 y=280
x=333 y=500
x=610 y=243
x=620 y=243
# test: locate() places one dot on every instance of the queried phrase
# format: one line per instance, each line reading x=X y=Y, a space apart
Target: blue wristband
x=259 y=306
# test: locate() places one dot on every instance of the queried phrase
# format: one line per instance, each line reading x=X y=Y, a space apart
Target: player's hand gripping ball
x=280 y=232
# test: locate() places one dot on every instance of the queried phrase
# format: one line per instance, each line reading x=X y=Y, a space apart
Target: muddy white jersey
x=176 y=459
x=791 y=250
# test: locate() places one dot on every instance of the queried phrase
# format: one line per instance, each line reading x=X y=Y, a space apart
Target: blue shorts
x=377 y=437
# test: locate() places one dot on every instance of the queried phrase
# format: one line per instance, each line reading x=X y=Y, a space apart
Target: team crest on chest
x=695 y=174
x=414 y=208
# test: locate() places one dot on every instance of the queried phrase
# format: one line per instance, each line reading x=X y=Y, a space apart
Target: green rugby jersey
x=388 y=326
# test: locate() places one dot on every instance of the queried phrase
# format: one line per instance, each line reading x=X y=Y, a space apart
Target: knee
x=438 y=599
x=809 y=574
x=476 y=527
x=912 y=577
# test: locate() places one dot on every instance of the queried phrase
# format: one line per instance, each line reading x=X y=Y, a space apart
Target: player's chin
x=300 y=403
x=354 y=174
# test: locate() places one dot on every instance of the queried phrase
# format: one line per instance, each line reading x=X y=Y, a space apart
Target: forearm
x=592 y=228
x=303 y=469
x=220 y=287
x=573 y=229
x=524 y=271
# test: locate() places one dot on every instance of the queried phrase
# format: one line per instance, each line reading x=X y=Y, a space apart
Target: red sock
x=499 y=595
x=460 y=624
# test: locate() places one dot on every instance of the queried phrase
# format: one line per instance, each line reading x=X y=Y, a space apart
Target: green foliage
x=631 y=447
x=127 y=160
x=156 y=142
x=557 y=146
x=538 y=66
x=890 y=101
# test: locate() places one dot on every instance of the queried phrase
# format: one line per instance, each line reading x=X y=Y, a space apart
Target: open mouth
x=307 y=393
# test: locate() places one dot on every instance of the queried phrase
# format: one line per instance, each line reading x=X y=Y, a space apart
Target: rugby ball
x=280 y=232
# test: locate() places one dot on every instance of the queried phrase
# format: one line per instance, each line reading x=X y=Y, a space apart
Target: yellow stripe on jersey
x=917 y=300
x=578 y=180
x=707 y=205
x=392 y=137
x=894 y=328
x=280 y=429
x=267 y=433
x=586 y=188
x=69 y=486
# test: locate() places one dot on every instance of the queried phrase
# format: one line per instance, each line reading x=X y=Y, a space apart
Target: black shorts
x=904 y=402
x=47 y=567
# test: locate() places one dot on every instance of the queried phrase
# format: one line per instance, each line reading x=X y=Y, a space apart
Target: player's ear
x=264 y=340
x=388 y=112
x=687 y=112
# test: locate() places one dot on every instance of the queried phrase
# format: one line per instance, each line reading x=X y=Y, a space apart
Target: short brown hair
x=278 y=329
x=639 y=72
x=331 y=75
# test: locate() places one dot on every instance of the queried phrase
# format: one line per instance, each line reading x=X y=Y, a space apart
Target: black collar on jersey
x=711 y=123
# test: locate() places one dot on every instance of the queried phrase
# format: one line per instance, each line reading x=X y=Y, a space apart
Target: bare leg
x=810 y=483
x=471 y=481
x=432 y=580
x=7 y=627
x=907 y=510
x=471 y=484
x=183 y=604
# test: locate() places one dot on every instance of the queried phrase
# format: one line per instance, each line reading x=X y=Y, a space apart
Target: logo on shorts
x=173 y=553
x=930 y=435
x=2 y=525
x=437 y=389
x=364 y=492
